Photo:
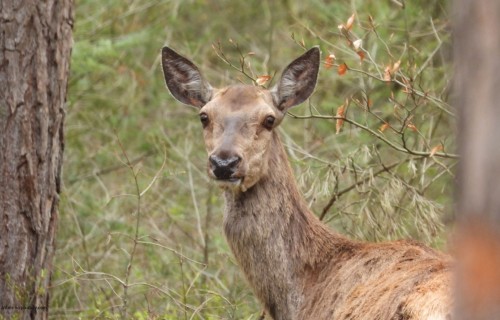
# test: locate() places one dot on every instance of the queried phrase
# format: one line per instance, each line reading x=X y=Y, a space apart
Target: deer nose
x=223 y=169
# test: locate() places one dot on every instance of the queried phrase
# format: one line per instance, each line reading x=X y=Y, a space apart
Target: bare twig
x=436 y=101
x=125 y=284
x=241 y=68
x=111 y=169
x=338 y=194
x=379 y=136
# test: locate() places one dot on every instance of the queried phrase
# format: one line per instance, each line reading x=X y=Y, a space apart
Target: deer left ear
x=298 y=80
x=184 y=80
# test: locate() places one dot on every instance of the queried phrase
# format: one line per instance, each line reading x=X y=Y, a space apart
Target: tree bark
x=477 y=89
x=35 y=47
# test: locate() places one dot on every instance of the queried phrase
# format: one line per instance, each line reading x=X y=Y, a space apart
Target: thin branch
x=177 y=253
x=337 y=195
x=437 y=102
x=218 y=51
x=433 y=53
x=377 y=135
x=111 y=169
x=158 y=173
x=137 y=223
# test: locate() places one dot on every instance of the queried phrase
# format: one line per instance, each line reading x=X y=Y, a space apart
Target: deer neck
x=274 y=236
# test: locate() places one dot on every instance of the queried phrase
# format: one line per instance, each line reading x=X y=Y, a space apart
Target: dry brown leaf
x=339 y=122
x=372 y=22
x=436 y=149
x=412 y=127
x=361 y=55
x=387 y=74
x=383 y=127
x=342 y=69
x=261 y=80
x=329 y=61
x=350 y=22
x=369 y=103
x=395 y=66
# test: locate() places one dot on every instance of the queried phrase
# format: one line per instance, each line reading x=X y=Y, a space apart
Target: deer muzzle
x=224 y=168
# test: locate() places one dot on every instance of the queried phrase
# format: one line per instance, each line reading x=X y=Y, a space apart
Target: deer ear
x=184 y=80
x=297 y=81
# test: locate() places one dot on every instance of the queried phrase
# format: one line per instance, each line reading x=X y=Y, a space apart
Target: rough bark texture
x=477 y=87
x=35 y=46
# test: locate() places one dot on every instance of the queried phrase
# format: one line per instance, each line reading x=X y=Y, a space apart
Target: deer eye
x=269 y=122
x=204 y=119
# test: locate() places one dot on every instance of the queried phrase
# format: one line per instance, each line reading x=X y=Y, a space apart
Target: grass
x=140 y=224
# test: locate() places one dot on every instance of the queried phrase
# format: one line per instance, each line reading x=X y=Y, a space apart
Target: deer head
x=239 y=120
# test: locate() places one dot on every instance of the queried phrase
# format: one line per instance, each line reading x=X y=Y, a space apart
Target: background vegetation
x=140 y=226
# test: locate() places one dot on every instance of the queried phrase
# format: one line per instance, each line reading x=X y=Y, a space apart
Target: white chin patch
x=229 y=184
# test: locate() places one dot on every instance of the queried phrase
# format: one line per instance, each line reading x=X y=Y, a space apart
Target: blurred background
x=140 y=225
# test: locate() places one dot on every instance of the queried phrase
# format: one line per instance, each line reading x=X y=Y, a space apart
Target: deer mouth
x=225 y=175
x=233 y=182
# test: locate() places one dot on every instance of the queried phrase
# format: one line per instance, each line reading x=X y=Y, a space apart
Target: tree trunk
x=477 y=88
x=35 y=47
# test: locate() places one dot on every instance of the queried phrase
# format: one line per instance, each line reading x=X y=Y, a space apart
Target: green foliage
x=140 y=225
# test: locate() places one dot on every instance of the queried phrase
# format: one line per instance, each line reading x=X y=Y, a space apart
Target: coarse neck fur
x=275 y=238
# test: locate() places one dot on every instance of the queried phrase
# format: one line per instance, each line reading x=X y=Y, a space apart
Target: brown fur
x=301 y=270
x=297 y=266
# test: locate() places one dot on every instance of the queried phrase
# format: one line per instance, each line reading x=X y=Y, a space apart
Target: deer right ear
x=297 y=81
x=184 y=80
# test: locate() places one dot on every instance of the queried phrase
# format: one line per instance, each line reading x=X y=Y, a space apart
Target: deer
x=296 y=265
